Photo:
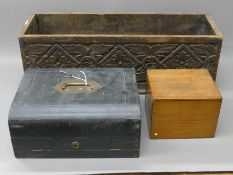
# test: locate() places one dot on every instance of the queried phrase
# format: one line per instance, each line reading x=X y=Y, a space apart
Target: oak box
x=182 y=103
x=141 y=41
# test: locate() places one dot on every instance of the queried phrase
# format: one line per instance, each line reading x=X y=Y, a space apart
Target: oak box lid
x=182 y=84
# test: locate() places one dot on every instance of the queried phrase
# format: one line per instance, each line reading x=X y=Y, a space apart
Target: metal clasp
x=77 y=84
x=66 y=84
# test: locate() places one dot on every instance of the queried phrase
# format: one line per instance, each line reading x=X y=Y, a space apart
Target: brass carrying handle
x=64 y=85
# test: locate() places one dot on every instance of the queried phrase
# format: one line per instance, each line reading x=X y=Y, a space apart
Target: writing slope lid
x=40 y=102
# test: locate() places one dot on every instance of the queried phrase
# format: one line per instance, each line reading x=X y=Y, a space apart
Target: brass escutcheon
x=77 y=86
x=75 y=145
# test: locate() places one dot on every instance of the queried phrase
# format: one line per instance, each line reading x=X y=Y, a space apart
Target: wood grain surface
x=140 y=41
x=185 y=103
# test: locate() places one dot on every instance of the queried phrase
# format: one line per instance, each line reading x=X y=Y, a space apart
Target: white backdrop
x=156 y=155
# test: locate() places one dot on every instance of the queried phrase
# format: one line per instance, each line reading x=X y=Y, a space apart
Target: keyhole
x=75 y=145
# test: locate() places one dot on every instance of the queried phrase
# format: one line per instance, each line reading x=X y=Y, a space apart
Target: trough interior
x=119 y=24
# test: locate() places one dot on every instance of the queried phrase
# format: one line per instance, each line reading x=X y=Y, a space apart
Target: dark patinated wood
x=121 y=40
x=104 y=122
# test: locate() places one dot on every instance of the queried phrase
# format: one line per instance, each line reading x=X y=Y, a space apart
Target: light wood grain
x=182 y=84
x=185 y=103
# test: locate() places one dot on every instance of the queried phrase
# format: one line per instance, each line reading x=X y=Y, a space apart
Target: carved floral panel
x=139 y=56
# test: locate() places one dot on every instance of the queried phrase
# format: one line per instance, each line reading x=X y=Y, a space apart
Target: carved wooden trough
x=141 y=41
